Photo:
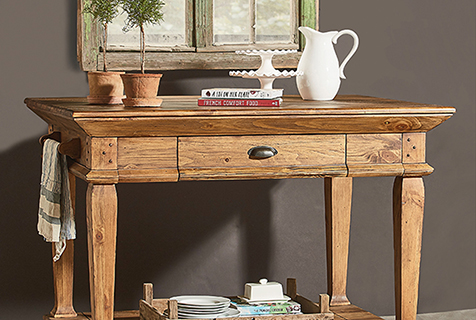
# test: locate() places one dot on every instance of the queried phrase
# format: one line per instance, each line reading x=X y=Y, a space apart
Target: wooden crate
x=154 y=309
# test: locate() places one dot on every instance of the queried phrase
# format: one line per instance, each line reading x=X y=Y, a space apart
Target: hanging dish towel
x=55 y=215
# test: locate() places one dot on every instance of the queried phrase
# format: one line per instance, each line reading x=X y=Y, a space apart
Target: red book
x=239 y=102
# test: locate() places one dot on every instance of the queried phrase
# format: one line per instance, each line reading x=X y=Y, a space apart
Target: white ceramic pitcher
x=321 y=74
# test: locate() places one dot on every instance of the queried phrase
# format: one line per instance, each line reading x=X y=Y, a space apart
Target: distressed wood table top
x=180 y=115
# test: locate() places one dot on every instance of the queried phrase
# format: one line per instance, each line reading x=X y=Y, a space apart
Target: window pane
x=231 y=21
x=170 y=32
x=273 y=20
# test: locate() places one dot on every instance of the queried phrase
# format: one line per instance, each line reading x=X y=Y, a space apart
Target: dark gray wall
x=212 y=237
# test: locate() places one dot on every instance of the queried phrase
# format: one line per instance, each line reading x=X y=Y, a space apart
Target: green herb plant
x=103 y=11
x=139 y=14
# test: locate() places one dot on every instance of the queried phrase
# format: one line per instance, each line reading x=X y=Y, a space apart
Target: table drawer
x=231 y=157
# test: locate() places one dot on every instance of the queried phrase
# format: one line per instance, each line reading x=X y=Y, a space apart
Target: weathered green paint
x=203 y=21
x=189 y=18
x=90 y=39
x=307 y=17
x=308 y=13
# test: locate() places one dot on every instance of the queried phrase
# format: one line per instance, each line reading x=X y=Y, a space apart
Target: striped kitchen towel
x=55 y=215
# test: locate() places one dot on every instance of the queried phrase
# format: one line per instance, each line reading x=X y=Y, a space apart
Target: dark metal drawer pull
x=262 y=152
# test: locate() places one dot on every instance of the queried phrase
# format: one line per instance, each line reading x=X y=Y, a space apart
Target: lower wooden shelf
x=155 y=309
x=349 y=312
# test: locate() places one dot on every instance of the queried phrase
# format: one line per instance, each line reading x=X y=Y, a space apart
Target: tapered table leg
x=101 y=213
x=408 y=204
x=63 y=282
x=338 y=200
x=63 y=270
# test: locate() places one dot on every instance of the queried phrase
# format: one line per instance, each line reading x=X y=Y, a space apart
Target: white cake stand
x=266 y=72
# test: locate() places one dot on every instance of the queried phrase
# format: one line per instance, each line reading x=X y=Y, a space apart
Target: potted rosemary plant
x=141 y=88
x=104 y=87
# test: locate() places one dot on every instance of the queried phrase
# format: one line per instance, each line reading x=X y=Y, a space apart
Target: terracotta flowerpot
x=141 y=89
x=105 y=87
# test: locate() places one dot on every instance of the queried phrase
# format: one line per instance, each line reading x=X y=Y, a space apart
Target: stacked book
x=235 y=97
x=265 y=308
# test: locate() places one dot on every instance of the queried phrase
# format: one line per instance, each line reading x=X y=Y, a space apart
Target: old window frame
x=201 y=54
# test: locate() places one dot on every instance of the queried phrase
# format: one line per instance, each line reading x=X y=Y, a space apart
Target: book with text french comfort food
x=241 y=93
x=239 y=102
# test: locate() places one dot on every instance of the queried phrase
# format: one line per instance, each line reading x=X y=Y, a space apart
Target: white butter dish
x=264 y=291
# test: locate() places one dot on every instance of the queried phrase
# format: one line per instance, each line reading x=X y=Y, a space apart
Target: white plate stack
x=204 y=307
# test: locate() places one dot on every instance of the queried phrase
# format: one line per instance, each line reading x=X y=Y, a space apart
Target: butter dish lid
x=264 y=291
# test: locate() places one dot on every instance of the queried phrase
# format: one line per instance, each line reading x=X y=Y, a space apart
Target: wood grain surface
x=63 y=269
x=413 y=147
x=338 y=203
x=147 y=153
x=101 y=218
x=180 y=116
x=408 y=207
x=228 y=155
x=181 y=141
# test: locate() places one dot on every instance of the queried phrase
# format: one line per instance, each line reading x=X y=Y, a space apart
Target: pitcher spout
x=310 y=34
x=307 y=32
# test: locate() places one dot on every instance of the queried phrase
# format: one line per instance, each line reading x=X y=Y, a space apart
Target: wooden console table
x=351 y=136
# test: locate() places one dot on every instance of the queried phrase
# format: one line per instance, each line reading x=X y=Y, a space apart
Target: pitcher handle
x=352 y=51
